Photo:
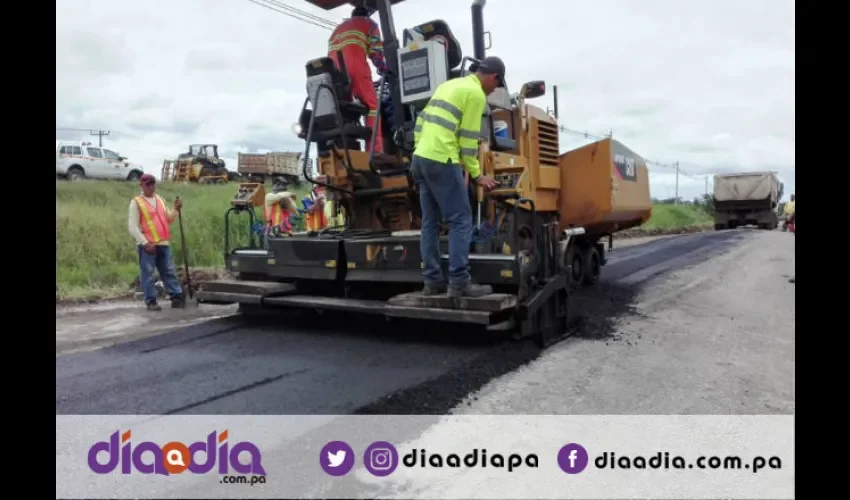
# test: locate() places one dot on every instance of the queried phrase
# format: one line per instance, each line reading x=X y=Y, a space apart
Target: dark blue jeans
x=159 y=261
x=443 y=194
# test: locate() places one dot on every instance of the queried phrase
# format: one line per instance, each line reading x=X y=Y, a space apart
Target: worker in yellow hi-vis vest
x=790 y=208
x=334 y=214
x=446 y=138
x=149 y=224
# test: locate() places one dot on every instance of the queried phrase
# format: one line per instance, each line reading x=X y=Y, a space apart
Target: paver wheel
x=592 y=264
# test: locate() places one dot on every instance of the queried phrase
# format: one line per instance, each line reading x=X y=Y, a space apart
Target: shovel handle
x=185 y=252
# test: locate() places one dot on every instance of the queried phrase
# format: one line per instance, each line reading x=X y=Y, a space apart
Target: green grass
x=96 y=257
x=677 y=216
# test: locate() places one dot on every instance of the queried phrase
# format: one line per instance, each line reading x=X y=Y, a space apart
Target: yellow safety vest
x=789 y=208
x=330 y=208
x=449 y=128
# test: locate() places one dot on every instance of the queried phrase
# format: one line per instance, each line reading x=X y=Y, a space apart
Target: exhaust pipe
x=478 y=28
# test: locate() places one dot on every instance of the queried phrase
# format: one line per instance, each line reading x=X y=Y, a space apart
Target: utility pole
x=706 y=185
x=677 y=182
x=100 y=134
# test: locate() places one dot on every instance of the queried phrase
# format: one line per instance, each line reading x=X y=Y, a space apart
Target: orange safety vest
x=316 y=220
x=154 y=226
x=277 y=216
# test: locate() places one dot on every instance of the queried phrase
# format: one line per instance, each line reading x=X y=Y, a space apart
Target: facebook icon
x=572 y=458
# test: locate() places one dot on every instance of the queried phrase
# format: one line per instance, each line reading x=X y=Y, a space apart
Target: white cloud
x=707 y=83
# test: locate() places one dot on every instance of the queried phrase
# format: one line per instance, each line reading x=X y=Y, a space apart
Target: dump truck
x=749 y=198
x=260 y=167
x=538 y=236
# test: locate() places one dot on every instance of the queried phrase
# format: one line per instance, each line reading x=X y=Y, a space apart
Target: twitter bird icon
x=337 y=458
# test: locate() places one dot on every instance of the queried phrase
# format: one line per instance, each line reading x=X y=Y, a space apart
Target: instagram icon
x=381 y=458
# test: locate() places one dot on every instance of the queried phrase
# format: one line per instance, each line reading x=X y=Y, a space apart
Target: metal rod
x=555 y=94
x=478 y=29
x=185 y=251
x=391 y=47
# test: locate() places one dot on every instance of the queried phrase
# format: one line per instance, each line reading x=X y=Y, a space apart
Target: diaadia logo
x=175 y=457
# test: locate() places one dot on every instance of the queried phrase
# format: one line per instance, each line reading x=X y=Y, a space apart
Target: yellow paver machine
x=538 y=236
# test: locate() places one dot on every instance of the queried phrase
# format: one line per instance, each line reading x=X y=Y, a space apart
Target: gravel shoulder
x=93 y=326
x=714 y=338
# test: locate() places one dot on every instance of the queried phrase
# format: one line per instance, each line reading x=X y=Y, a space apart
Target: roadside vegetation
x=670 y=215
x=96 y=258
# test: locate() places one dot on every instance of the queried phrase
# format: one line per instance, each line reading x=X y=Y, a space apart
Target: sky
x=707 y=84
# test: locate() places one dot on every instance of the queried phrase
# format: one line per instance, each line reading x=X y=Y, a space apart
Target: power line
x=77 y=129
x=69 y=129
x=294 y=13
x=301 y=12
x=586 y=135
x=675 y=165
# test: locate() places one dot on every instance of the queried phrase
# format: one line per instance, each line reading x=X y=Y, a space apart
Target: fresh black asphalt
x=339 y=364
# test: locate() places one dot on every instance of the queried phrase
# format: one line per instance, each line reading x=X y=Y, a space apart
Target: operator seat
x=329 y=107
x=438 y=30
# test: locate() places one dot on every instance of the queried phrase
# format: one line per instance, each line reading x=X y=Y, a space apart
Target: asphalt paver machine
x=521 y=246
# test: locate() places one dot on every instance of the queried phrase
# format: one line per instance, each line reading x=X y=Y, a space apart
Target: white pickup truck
x=78 y=160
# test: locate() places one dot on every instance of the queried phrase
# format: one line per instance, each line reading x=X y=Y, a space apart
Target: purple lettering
x=119 y=449
x=196 y=467
x=222 y=458
x=111 y=447
x=254 y=466
x=157 y=466
x=126 y=461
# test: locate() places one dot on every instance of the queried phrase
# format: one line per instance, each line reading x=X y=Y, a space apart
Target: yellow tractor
x=537 y=237
x=200 y=164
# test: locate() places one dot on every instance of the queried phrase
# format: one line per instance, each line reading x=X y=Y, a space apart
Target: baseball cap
x=279 y=184
x=147 y=179
x=493 y=65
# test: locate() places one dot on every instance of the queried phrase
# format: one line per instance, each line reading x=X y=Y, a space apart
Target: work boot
x=431 y=290
x=178 y=303
x=153 y=306
x=469 y=290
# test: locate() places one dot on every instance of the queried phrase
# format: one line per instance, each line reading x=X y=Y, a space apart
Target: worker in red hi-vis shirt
x=359 y=39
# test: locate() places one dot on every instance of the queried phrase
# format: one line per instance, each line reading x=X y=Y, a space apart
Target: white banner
x=451 y=457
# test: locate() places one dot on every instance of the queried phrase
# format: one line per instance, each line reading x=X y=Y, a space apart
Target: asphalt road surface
x=697 y=323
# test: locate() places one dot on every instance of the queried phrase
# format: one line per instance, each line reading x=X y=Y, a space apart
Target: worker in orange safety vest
x=359 y=39
x=278 y=209
x=149 y=221
x=316 y=219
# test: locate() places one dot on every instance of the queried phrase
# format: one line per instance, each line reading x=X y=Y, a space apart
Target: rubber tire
x=593 y=268
x=574 y=256
x=75 y=174
x=134 y=177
